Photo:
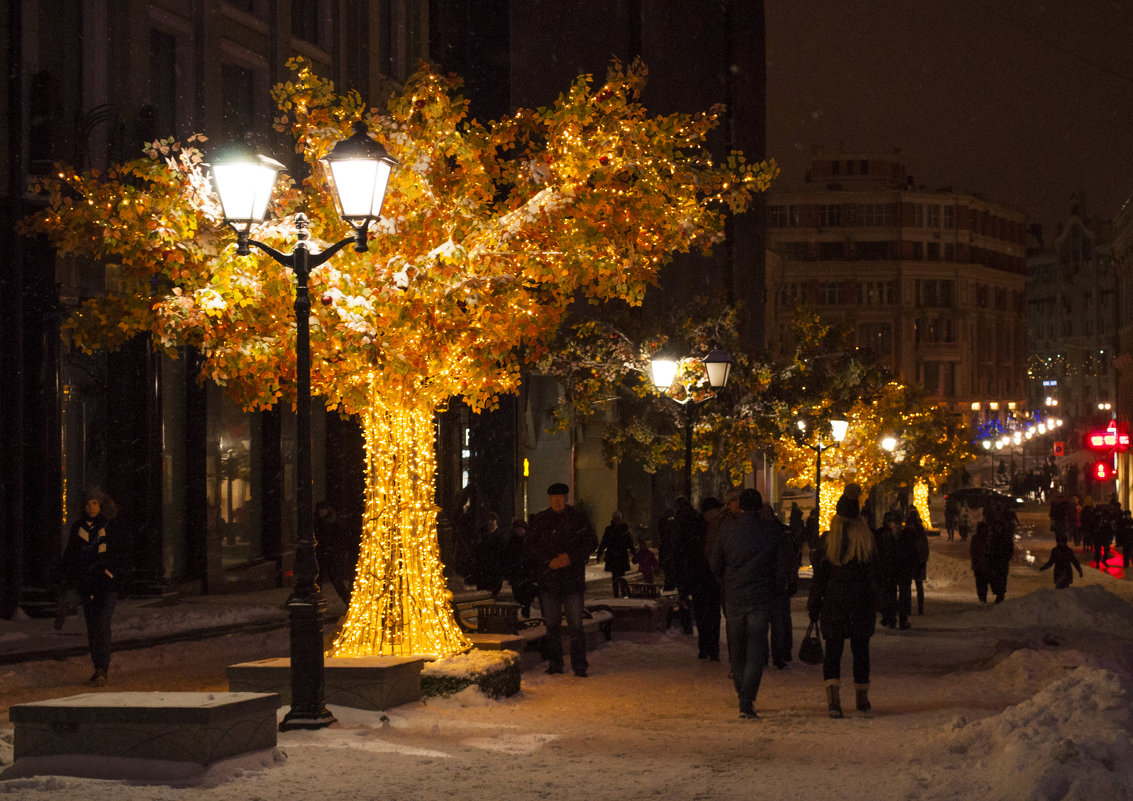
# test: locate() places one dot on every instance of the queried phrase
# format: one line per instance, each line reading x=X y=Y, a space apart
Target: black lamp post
x=838 y=433
x=359 y=169
x=718 y=365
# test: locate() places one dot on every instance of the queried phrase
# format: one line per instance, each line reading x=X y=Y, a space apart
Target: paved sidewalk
x=144 y=622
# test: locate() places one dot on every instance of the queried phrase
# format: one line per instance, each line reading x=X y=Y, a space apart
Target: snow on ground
x=1028 y=700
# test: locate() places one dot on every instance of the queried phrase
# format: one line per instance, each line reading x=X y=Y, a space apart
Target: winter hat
x=709 y=503
x=847 y=506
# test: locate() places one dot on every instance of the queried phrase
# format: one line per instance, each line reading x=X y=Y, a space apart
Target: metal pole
x=688 y=451
x=818 y=486
x=305 y=605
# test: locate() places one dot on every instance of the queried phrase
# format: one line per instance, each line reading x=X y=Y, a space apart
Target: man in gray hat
x=559 y=542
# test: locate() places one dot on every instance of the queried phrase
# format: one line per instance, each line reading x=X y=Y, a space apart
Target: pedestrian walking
x=559 y=544
x=337 y=559
x=517 y=569
x=978 y=552
x=647 y=561
x=750 y=563
x=919 y=539
x=617 y=547
x=95 y=563
x=843 y=597
x=1124 y=537
x=704 y=587
x=1000 y=549
x=1064 y=562
x=782 y=633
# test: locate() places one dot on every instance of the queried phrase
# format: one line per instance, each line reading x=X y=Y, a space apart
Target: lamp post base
x=308 y=692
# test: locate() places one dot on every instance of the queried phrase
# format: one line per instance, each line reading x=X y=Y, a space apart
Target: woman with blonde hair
x=843 y=597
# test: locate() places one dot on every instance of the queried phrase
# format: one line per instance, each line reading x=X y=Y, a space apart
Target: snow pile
x=472 y=663
x=946 y=571
x=1080 y=607
x=1070 y=741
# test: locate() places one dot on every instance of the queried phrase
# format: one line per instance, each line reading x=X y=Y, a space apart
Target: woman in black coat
x=843 y=596
x=617 y=545
x=94 y=564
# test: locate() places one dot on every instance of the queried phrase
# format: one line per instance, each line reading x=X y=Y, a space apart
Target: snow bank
x=945 y=571
x=1089 y=606
x=1070 y=741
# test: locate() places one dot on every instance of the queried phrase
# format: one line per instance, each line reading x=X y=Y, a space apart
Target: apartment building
x=932 y=281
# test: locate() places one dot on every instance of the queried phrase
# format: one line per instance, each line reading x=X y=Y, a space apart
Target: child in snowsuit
x=1062 y=558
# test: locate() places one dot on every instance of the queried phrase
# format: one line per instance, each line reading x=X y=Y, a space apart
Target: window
x=876 y=293
x=918 y=251
x=918 y=215
x=162 y=114
x=874 y=214
x=239 y=100
x=949 y=216
x=777 y=216
x=828 y=293
x=831 y=251
x=305 y=20
x=933 y=215
x=829 y=215
x=933 y=250
x=877 y=338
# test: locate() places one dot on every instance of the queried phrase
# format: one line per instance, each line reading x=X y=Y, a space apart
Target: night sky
x=1026 y=102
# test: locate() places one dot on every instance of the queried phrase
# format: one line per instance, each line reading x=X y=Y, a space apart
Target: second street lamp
x=359 y=169
x=718 y=366
x=838 y=430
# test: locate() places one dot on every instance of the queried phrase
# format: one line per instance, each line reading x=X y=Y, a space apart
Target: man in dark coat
x=751 y=563
x=559 y=542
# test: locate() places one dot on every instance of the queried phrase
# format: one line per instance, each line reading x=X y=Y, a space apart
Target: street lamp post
x=838 y=433
x=359 y=169
x=718 y=365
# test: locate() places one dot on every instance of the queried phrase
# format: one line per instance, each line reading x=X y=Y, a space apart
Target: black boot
x=861 y=697
x=833 y=701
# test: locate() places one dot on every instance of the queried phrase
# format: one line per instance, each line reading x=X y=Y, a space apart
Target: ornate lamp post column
x=359 y=168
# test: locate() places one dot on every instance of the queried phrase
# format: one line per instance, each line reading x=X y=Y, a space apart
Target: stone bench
x=196 y=728
x=361 y=682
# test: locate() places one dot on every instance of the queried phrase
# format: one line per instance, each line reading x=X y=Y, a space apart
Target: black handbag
x=810 y=651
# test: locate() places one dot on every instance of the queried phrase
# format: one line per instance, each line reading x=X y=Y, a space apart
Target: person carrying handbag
x=843 y=599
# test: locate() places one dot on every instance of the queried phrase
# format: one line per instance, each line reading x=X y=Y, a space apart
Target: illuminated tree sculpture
x=489 y=232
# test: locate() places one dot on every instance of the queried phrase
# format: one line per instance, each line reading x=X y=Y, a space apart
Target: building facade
x=1073 y=318
x=931 y=281
x=204 y=489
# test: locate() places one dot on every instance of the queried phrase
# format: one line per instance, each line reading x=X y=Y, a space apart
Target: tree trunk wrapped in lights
x=402 y=605
x=488 y=233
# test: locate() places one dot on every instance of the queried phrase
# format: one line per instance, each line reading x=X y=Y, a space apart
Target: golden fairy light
x=400 y=604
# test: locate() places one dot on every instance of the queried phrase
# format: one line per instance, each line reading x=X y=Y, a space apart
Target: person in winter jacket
x=617 y=546
x=919 y=539
x=751 y=564
x=94 y=565
x=843 y=598
x=977 y=550
x=1064 y=561
x=1000 y=549
x=559 y=543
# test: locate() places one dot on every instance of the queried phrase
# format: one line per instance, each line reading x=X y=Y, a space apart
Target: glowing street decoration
x=400 y=604
x=1108 y=440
